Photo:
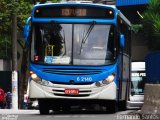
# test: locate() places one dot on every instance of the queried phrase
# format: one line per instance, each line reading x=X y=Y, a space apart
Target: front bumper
x=136 y=102
x=56 y=91
x=134 y=105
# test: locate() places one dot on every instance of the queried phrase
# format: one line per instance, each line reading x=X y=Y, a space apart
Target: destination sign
x=73 y=12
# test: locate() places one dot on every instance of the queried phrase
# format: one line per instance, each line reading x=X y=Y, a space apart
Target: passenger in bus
x=52 y=37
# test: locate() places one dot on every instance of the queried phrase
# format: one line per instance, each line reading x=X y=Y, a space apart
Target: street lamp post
x=14 y=62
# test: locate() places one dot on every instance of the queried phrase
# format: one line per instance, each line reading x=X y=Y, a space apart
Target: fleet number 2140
x=84 y=79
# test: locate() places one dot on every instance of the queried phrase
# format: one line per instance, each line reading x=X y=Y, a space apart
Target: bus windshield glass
x=72 y=44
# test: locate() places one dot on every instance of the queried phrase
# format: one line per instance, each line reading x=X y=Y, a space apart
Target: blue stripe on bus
x=62 y=20
x=67 y=73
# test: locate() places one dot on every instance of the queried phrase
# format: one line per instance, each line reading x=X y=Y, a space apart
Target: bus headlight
x=109 y=79
x=44 y=82
x=34 y=76
x=38 y=80
x=106 y=81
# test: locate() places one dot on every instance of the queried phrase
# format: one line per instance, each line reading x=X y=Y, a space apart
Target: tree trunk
x=23 y=78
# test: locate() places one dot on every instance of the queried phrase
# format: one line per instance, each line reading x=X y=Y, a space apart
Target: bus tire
x=43 y=107
x=122 y=105
x=66 y=108
x=111 y=106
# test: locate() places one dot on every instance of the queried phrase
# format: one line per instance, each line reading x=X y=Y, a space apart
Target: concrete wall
x=151 y=100
x=5 y=65
x=139 y=47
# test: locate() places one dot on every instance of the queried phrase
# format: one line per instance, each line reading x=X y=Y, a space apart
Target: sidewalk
x=19 y=111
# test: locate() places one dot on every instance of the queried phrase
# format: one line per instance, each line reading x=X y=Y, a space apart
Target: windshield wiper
x=87 y=34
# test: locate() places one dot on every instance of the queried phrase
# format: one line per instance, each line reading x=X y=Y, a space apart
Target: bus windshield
x=72 y=44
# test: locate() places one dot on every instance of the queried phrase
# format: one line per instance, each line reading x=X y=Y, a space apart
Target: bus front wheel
x=111 y=106
x=43 y=107
x=122 y=105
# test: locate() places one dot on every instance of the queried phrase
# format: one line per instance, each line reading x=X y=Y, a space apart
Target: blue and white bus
x=79 y=54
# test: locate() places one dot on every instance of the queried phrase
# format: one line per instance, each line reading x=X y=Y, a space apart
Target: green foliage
x=151 y=24
x=24 y=11
x=5 y=47
x=154 y=6
x=137 y=27
x=7 y=8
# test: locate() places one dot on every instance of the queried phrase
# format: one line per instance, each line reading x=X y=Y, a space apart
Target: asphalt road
x=76 y=115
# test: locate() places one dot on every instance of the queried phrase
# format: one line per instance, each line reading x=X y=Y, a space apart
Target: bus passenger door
x=124 y=71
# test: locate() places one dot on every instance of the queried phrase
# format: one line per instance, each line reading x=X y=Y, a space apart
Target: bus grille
x=67 y=71
x=68 y=83
x=65 y=95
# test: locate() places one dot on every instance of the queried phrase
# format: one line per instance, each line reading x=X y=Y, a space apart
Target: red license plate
x=71 y=91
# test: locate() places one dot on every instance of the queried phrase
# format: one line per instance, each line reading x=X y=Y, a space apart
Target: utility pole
x=14 y=62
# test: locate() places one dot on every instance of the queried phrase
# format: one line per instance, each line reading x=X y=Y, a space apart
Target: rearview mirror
x=122 y=41
x=27 y=30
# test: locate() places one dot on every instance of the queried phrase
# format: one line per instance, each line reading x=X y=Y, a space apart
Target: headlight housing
x=109 y=79
x=37 y=79
x=106 y=81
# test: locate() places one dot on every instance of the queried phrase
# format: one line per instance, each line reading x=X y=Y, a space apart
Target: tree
x=23 y=9
x=7 y=9
x=151 y=24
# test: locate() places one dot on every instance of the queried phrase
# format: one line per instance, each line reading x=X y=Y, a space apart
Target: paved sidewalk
x=19 y=111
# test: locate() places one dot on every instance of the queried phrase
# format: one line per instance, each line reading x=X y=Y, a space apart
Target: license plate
x=71 y=91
